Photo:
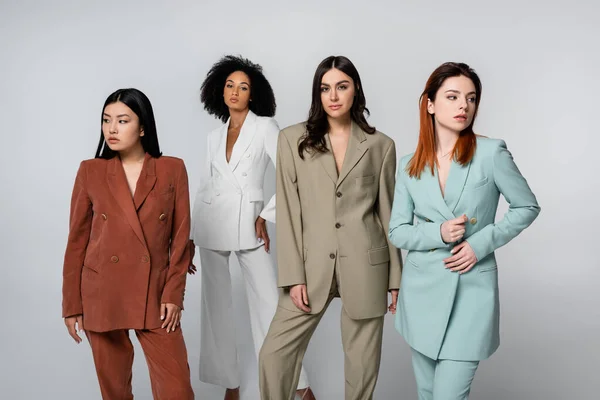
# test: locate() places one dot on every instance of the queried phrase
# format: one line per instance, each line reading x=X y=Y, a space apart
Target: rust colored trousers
x=166 y=356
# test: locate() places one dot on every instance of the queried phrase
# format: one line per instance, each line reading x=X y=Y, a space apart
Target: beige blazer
x=324 y=219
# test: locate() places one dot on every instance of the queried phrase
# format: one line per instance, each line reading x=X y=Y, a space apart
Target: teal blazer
x=442 y=314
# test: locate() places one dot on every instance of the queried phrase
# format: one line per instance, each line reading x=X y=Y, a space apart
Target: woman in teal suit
x=445 y=204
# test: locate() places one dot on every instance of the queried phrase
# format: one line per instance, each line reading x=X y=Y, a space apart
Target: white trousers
x=218 y=350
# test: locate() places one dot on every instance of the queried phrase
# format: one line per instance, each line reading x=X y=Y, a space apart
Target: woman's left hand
x=171 y=315
x=463 y=258
x=261 y=232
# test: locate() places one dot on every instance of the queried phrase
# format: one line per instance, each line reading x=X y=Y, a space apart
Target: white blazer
x=230 y=195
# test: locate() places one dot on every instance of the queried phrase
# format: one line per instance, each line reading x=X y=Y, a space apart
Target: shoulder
x=293 y=133
x=380 y=139
x=404 y=160
x=267 y=123
x=488 y=146
x=169 y=163
x=93 y=165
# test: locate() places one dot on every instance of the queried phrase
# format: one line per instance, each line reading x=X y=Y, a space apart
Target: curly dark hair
x=261 y=93
x=317 y=124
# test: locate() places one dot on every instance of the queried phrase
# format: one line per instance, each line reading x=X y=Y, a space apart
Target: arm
x=290 y=261
x=403 y=234
x=523 y=207
x=271 y=135
x=384 y=209
x=179 y=251
x=205 y=178
x=80 y=225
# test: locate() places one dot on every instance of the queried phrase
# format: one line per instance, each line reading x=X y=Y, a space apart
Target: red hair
x=465 y=146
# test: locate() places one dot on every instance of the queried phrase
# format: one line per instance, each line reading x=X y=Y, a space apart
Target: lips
x=461 y=117
x=335 y=107
x=233 y=100
x=113 y=140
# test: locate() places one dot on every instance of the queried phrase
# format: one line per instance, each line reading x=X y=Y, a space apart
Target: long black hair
x=317 y=125
x=262 y=96
x=140 y=105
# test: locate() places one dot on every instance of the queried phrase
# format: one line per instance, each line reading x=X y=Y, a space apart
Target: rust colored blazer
x=125 y=256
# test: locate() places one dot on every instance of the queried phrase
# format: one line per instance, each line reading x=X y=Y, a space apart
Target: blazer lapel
x=145 y=182
x=221 y=156
x=244 y=139
x=328 y=161
x=355 y=151
x=434 y=193
x=456 y=182
x=117 y=184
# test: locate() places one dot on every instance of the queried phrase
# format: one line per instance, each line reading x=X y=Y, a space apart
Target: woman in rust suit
x=126 y=258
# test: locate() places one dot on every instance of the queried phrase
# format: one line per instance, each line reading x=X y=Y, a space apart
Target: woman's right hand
x=72 y=323
x=192 y=268
x=299 y=296
x=453 y=230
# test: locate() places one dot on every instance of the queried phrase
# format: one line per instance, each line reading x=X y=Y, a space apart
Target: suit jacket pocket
x=255 y=195
x=379 y=255
x=487 y=268
x=365 y=180
x=476 y=185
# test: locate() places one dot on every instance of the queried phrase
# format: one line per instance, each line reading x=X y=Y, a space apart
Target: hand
x=394 y=302
x=261 y=232
x=192 y=268
x=299 y=296
x=463 y=259
x=171 y=315
x=454 y=229
x=72 y=323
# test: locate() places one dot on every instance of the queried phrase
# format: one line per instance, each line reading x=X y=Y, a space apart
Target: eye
x=324 y=89
x=451 y=97
x=122 y=121
x=244 y=88
x=342 y=87
x=472 y=99
x=229 y=85
x=105 y=120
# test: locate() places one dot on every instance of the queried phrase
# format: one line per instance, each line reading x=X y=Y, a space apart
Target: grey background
x=538 y=61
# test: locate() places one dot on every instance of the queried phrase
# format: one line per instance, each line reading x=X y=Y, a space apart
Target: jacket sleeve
x=384 y=208
x=80 y=224
x=290 y=261
x=402 y=232
x=179 y=261
x=522 y=211
x=271 y=135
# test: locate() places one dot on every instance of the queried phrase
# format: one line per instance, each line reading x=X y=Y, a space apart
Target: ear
x=141 y=131
x=430 y=107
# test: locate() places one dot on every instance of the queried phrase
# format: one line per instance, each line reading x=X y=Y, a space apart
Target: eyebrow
x=327 y=84
x=456 y=91
x=118 y=116
x=241 y=83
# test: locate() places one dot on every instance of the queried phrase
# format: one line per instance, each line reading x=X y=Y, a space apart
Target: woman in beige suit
x=335 y=183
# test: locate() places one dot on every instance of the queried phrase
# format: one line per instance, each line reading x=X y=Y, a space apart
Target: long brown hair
x=464 y=149
x=317 y=124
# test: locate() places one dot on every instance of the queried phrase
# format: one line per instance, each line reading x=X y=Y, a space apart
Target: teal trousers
x=443 y=379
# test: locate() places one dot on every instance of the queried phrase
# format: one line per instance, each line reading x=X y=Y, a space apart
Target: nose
x=333 y=95
x=464 y=104
x=236 y=91
x=113 y=127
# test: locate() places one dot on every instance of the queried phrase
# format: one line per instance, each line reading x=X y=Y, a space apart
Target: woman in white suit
x=229 y=216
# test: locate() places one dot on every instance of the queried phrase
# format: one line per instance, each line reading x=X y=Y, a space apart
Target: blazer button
x=339 y=194
x=145 y=259
x=427 y=220
x=473 y=221
x=248 y=155
x=332 y=256
x=430 y=250
x=104 y=217
x=114 y=259
x=338 y=225
x=162 y=217
x=244 y=174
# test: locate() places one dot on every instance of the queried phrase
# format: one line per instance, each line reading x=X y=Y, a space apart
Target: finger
x=170 y=317
x=80 y=323
x=452 y=259
x=267 y=242
x=304 y=295
x=469 y=267
x=172 y=320
x=73 y=332
x=456 y=248
x=298 y=303
x=461 y=266
x=163 y=314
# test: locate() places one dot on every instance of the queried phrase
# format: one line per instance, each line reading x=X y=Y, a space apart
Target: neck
x=133 y=155
x=340 y=126
x=445 y=140
x=237 y=117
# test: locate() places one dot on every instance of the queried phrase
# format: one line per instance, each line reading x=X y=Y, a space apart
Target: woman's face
x=337 y=93
x=455 y=104
x=121 y=127
x=236 y=92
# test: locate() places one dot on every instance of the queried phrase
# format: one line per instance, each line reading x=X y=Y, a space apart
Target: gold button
x=114 y=259
x=145 y=259
x=104 y=217
x=473 y=221
x=427 y=220
x=162 y=217
x=431 y=250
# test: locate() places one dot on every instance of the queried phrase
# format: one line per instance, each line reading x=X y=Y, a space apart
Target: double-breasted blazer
x=442 y=314
x=230 y=196
x=126 y=255
x=324 y=218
